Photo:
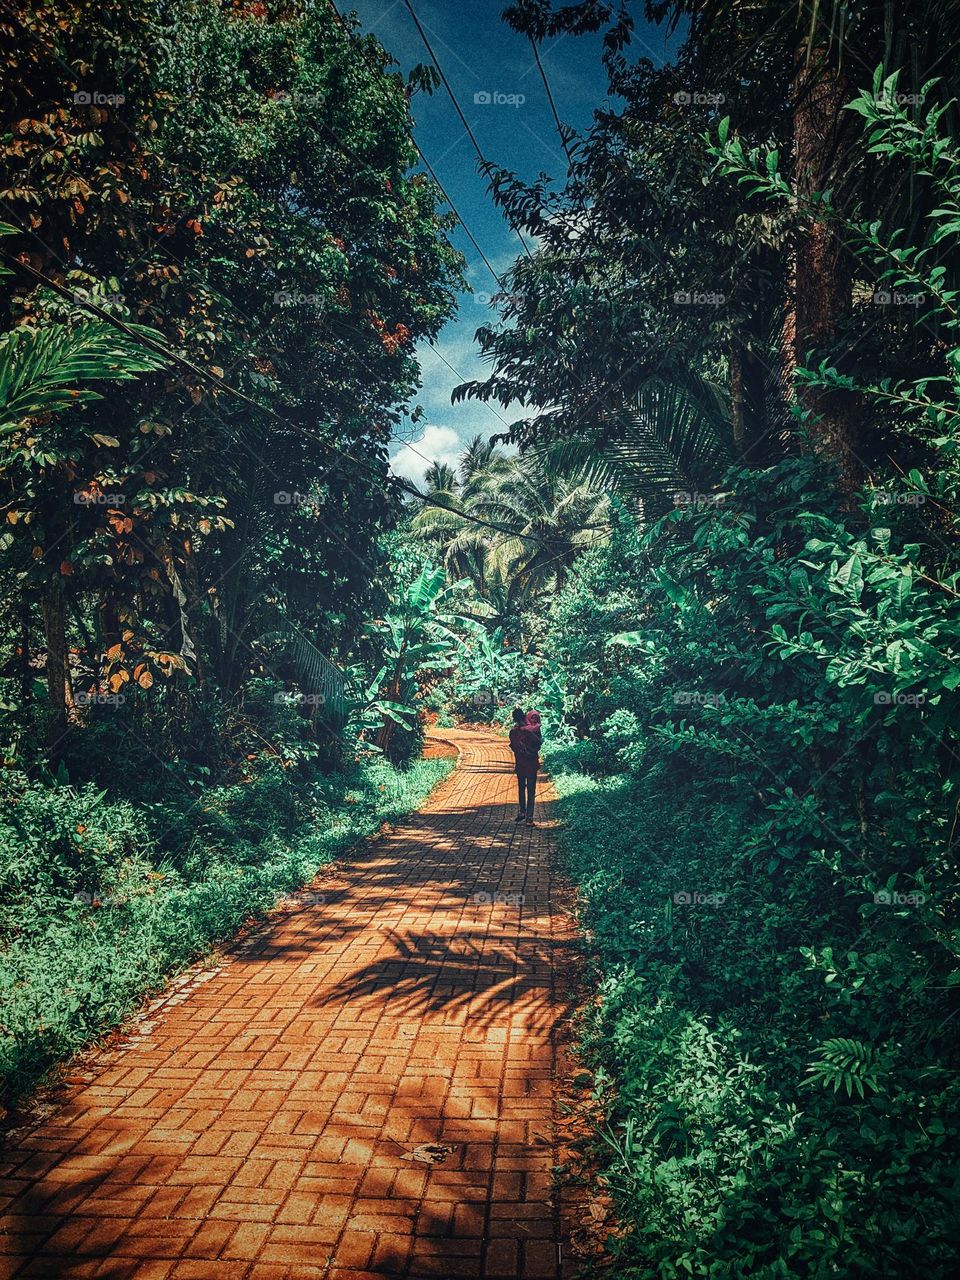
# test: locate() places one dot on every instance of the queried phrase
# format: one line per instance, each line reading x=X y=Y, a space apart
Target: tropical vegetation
x=718 y=550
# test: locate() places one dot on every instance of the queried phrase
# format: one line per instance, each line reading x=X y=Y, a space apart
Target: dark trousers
x=526 y=790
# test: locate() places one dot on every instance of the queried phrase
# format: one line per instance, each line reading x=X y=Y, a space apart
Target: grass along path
x=71 y=969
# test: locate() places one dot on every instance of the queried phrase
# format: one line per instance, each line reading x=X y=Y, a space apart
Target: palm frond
x=671 y=437
x=46 y=370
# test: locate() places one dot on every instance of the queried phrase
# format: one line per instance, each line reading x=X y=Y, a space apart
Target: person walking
x=525 y=741
x=516 y=741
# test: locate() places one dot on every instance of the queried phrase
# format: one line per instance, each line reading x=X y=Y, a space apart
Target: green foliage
x=846 y=1063
x=102 y=901
x=760 y=812
x=57 y=841
x=40 y=369
x=269 y=227
x=414 y=638
x=191 y=547
x=513 y=526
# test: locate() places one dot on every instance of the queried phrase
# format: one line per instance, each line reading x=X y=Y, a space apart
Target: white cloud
x=453 y=359
x=434 y=444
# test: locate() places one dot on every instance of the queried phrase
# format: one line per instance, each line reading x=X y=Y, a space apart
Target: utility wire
x=596 y=398
x=446 y=84
x=553 y=105
x=485 y=163
x=437 y=352
x=218 y=382
x=132 y=331
x=430 y=169
x=426 y=163
x=221 y=384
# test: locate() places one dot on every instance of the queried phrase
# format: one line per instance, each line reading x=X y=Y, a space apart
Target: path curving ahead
x=276 y=1117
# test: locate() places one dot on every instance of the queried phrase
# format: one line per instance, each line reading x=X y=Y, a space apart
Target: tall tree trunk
x=54 y=607
x=109 y=624
x=26 y=671
x=735 y=361
x=822 y=270
x=194 y=611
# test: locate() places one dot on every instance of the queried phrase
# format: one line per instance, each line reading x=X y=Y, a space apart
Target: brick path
x=259 y=1123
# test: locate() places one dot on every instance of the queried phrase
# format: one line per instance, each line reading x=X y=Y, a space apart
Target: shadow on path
x=276 y=1117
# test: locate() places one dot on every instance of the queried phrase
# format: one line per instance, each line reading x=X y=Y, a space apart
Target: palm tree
x=503 y=603
x=440 y=478
x=555 y=517
x=671 y=437
x=463 y=544
x=533 y=523
x=480 y=464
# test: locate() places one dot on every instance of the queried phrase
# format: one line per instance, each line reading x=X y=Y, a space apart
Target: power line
x=553 y=105
x=485 y=163
x=218 y=382
x=499 y=279
x=437 y=352
x=426 y=163
x=134 y=332
x=228 y=302
x=596 y=398
x=446 y=84
x=467 y=231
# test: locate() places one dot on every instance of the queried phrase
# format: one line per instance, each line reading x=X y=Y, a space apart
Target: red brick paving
x=255 y=1124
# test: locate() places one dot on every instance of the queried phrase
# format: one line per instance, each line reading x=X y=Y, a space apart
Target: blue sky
x=480 y=54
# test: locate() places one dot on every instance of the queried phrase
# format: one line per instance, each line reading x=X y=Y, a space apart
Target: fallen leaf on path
x=429 y=1153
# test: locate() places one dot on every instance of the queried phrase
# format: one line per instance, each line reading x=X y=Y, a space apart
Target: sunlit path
x=277 y=1117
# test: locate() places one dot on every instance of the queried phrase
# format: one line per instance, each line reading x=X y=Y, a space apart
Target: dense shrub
x=774 y=948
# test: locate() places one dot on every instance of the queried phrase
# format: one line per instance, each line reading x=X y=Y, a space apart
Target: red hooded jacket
x=525 y=743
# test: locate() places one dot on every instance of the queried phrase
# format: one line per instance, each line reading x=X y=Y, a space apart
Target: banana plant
x=488 y=665
x=417 y=634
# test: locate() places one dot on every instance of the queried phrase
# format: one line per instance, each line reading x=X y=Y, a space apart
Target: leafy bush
x=102 y=902
x=57 y=841
x=781 y=1090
